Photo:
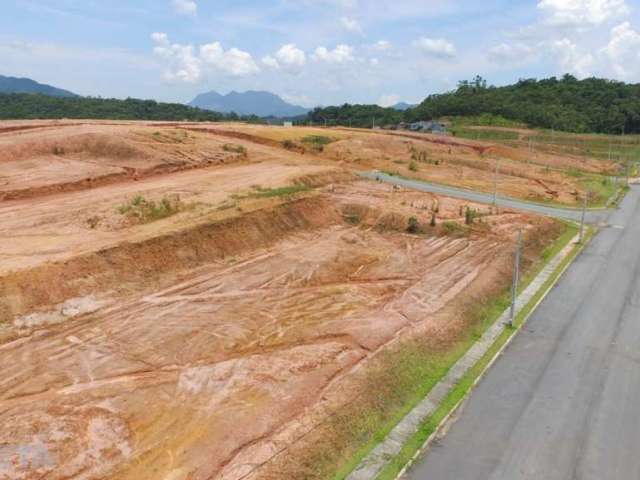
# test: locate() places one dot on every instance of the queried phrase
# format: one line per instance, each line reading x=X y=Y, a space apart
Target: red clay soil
x=102 y=386
x=198 y=345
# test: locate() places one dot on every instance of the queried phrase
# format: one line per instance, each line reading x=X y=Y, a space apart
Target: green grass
x=601 y=189
x=464 y=386
x=231 y=147
x=279 y=192
x=427 y=371
x=484 y=134
x=143 y=211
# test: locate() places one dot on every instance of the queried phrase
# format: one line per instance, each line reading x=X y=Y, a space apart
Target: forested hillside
x=568 y=104
x=590 y=105
x=27 y=106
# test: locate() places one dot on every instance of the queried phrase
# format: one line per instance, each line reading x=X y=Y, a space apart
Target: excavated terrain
x=203 y=343
x=530 y=175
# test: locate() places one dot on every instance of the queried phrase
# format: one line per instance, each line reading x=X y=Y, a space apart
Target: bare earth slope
x=203 y=344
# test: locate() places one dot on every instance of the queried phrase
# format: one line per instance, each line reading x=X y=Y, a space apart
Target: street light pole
x=495 y=183
x=516 y=277
x=582 y=219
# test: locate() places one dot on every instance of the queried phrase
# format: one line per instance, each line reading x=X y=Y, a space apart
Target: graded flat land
x=532 y=175
x=205 y=341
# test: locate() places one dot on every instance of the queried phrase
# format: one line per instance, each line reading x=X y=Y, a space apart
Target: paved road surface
x=563 y=402
x=593 y=216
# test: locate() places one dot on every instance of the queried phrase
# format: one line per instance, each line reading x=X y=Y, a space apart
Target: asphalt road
x=563 y=402
x=592 y=216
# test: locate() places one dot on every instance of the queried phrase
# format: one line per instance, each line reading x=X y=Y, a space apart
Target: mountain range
x=26 y=85
x=262 y=104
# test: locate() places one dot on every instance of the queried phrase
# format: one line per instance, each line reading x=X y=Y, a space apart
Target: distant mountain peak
x=251 y=102
x=401 y=106
x=26 y=85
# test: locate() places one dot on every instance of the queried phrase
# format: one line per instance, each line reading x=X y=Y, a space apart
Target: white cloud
x=271 y=62
x=233 y=61
x=185 y=65
x=571 y=59
x=185 y=7
x=581 y=13
x=623 y=51
x=388 y=100
x=374 y=62
x=288 y=58
x=436 y=47
x=341 y=54
x=182 y=64
x=351 y=25
x=511 y=53
x=291 y=58
x=382 y=45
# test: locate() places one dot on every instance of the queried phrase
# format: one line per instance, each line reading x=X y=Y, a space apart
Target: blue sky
x=312 y=52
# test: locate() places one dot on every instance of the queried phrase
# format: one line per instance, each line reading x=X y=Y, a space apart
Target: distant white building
x=287 y=124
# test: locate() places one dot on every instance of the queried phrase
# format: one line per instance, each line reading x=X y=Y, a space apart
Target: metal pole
x=495 y=183
x=584 y=213
x=516 y=275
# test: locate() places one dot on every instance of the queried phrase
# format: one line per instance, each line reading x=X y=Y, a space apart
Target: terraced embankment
x=217 y=336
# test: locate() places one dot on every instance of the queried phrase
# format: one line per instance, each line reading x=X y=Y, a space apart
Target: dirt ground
x=535 y=176
x=198 y=345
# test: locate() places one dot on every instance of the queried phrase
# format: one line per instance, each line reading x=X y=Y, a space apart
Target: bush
x=288 y=144
x=413 y=166
x=413 y=226
x=230 y=147
x=142 y=210
x=317 y=142
x=469 y=215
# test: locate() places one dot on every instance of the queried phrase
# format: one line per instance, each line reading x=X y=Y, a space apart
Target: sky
x=313 y=52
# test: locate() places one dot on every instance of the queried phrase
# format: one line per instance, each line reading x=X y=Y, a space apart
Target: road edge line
x=576 y=251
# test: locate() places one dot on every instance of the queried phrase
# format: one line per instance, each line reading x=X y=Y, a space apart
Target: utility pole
x=584 y=214
x=516 y=278
x=495 y=183
x=373 y=126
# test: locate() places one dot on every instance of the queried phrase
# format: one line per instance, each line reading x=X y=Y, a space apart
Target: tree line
x=567 y=104
x=37 y=106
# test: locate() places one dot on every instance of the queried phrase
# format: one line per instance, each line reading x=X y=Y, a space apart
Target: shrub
x=288 y=144
x=433 y=219
x=469 y=215
x=142 y=210
x=413 y=226
x=352 y=219
x=317 y=142
x=413 y=166
x=58 y=150
x=230 y=147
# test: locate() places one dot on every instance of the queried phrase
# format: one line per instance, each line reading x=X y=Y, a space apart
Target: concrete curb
x=371 y=466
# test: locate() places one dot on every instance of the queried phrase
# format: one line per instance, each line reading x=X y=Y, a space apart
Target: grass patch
x=601 y=189
x=463 y=388
x=317 y=142
x=142 y=210
x=279 y=192
x=233 y=148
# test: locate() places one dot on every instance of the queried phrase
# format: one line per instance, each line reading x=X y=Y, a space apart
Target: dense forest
x=365 y=116
x=568 y=104
x=29 y=106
